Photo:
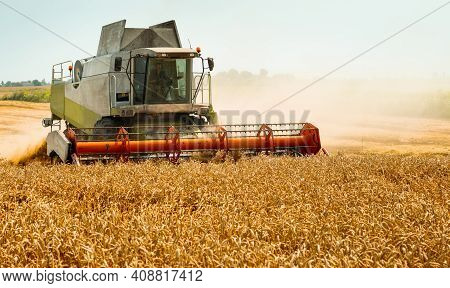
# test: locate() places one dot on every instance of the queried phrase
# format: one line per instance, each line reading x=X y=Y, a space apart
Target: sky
x=303 y=38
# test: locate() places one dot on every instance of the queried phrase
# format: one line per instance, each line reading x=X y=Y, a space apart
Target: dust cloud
x=352 y=114
x=21 y=132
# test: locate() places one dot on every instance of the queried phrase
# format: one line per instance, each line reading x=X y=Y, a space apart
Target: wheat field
x=38 y=94
x=359 y=210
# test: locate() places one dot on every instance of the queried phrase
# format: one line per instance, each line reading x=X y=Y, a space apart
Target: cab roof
x=169 y=52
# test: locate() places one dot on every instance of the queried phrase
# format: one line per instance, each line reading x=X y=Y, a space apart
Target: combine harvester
x=139 y=98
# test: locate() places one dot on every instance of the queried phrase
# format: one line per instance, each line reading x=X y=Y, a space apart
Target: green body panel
x=57 y=99
x=68 y=110
x=80 y=116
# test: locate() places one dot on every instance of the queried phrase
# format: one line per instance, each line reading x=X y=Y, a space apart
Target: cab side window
x=140 y=65
x=118 y=64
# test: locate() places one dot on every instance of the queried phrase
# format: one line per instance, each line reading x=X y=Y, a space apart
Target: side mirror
x=211 y=64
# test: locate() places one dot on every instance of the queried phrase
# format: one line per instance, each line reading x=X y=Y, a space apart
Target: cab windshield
x=162 y=81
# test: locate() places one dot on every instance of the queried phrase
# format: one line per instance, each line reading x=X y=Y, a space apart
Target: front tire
x=105 y=129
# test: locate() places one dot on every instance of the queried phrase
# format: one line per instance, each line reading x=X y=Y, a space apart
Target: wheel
x=105 y=128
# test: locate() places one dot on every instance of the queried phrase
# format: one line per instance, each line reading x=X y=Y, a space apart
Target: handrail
x=115 y=90
x=68 y=61
x=61 y=71
x=200 y=87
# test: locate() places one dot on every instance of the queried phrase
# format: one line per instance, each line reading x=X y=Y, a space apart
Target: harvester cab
x=129 y=84
x=139 y=97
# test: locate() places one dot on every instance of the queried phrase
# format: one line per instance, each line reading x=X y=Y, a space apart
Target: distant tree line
x=24 y=83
